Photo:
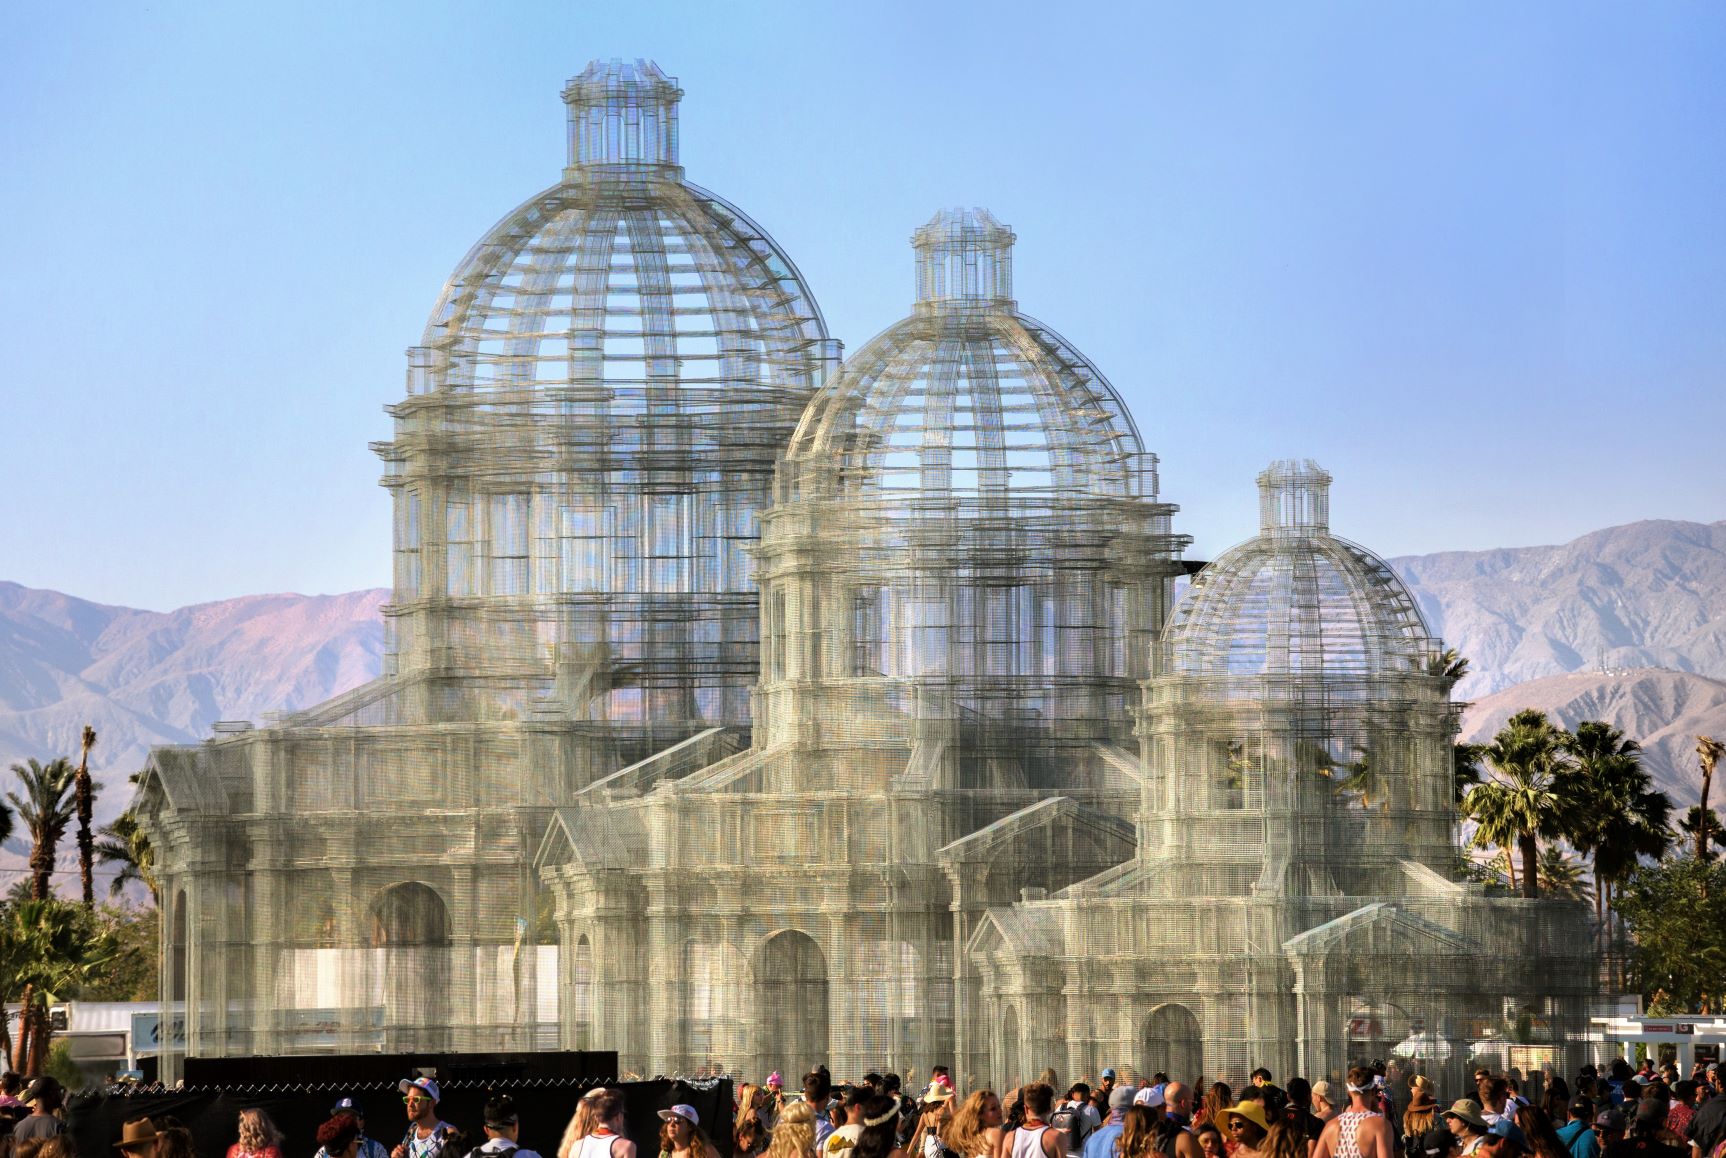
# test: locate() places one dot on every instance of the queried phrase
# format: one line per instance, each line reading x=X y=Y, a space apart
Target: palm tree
x=1561 y=875
x=124 y=844
x=1466 y=767
x=1709 y=830
x=87 y=789
x=46 y=947
x=1618 y=816
x=46 y=809
x=1527 y=796
x=1708 y=753
x=1449 y=665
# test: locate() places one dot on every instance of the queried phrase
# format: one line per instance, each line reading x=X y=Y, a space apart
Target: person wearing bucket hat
x=1359 y=1131
x=1246 y=1126
x=428 y=1136
x=1465 y=1121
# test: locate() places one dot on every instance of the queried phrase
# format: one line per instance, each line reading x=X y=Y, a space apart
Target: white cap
x=1149 y=1096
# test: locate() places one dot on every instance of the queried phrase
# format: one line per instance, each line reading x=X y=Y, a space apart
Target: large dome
x=1296 y=601
x=968 y=398
x=624 y=287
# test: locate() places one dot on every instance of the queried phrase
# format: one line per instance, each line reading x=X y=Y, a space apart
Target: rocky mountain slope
x=1645 y=595
x=1663 y=710
x=1650 y=594
x=144 y=677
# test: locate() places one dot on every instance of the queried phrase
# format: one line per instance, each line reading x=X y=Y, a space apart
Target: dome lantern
x=622 y=113
x=1294 y=498
x=964 y=258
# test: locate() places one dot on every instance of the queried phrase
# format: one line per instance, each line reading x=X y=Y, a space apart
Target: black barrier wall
x=545 y=1105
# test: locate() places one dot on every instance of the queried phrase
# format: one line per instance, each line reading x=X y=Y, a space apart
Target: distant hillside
x=1663 y=710
x=144 y=678
x=1646 y=595
x=1649 y=594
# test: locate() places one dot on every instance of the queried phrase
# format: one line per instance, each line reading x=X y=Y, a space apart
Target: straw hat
x=1253 y=1112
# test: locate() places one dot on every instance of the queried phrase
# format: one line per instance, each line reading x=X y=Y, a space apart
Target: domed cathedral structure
x=962 y=574
x=591 y=426
x=1296 y=899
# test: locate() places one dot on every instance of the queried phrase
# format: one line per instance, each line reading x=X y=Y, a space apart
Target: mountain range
x=1626 y=624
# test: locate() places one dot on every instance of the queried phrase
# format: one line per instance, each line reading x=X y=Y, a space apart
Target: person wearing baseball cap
x=1578 y=1133
x=682 y=1135
x=427 y=1135
x=1504 y=1139
x=364 y=1147
x=1101 y=1143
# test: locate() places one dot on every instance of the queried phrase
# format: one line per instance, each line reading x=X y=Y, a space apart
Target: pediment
x=1381 y=927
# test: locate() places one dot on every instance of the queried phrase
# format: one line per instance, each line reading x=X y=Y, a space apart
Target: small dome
x=969 y=398
x=1296 y=600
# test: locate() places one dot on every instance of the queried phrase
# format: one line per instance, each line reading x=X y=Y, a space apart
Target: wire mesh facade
x=742 y=711
x=588 y=439
x=1295 y=899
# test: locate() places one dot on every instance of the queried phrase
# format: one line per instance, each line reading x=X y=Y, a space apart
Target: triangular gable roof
x=986 y=841
x=173 y=773
x=589 y=839
x=1013 y=928
x=1381 y=915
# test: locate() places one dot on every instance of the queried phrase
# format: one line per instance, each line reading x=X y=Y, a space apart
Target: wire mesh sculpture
x=743 y=712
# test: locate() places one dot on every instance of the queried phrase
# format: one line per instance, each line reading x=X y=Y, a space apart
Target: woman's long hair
x=1138 y=1133
x=794 y=1135
x=582 y=1122
x=1286 y=1140
x=257 y=1132
x=964 y=1133
x=880 y=1135
x=1217 y=1099
x=1543 y=1138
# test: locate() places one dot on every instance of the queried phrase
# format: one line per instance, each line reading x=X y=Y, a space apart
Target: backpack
x=1070 y=1120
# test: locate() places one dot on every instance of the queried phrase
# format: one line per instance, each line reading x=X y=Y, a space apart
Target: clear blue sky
x=1468 y=256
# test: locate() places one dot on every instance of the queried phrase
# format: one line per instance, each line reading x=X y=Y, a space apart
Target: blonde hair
x=257 y=1132
x=581 y=1123
x=963 y=1134
x=794 y=1135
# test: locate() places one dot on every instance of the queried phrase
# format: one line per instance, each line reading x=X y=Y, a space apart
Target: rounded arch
x=791 y=993
x=1171 y=1043
x=408 y=927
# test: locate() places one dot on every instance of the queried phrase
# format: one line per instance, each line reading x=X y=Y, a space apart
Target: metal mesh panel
x=740 y=715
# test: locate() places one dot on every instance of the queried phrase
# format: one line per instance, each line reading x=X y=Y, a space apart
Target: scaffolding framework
x=744 y=711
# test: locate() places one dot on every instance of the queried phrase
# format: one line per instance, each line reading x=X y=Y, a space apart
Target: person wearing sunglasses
x=427 y=1136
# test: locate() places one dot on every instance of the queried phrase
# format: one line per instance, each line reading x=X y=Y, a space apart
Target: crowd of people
x=1621 y=1113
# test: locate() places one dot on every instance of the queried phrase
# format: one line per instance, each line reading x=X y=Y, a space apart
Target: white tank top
x=596 y=1146
x=1028 y=1143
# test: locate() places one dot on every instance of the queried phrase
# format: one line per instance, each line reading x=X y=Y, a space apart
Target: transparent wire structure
x=744 y=710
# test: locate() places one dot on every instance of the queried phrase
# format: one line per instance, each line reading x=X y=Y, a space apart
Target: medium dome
x=967 y=398
x=1296 y=601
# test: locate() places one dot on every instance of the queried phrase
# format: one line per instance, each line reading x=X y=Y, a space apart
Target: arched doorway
x=410 y=940
x=1009 y=1075
x=1171 y=1043
x=791 y=994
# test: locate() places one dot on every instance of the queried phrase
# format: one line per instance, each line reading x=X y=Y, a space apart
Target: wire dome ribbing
x=967 y=398
x=1296 y=600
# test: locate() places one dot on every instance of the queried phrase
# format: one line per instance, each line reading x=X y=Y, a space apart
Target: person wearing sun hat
x=428 y=1136
x=1246 y=1125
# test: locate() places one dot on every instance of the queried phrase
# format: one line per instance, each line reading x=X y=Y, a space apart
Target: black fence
x=545 y=1104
